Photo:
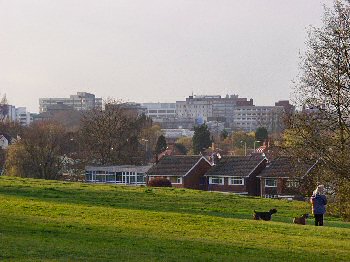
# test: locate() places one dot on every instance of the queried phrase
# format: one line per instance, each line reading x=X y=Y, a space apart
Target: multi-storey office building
x=249 y=118
x=237 y=113
x=17 y=114
x=80 y=101
x=210 y=106
x=23 y=116
x=160 y=110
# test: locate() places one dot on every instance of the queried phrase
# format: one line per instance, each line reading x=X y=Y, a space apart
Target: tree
x=13 y=129
x=70 y=119
x=150 y=136
x=161 y=145
x=322 y=130
x=223 y=134
x=186 y=142
x=181 y=148
x=39 y=153
x=261 y=134
x=113 y=135
x=4 y=108
x=201 y=139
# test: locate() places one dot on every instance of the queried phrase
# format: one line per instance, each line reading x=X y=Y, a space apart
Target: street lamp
x=245 y=147
x=257 y=141
x=146 y=147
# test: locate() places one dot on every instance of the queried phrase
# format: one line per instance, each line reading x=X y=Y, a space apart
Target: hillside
x=54 y=221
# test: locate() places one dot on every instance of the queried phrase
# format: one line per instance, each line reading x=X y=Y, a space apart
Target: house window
x=175 y=179
x=179 y=180
x=140 y=178
x=236 y=181
x=132 y=178
x=270 y=183
x=292 y=184
x=216 y=180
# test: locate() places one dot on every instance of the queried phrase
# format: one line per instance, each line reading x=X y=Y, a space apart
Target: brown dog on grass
x=301 y=220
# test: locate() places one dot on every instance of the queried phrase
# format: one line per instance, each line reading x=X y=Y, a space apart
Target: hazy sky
x=152 y=50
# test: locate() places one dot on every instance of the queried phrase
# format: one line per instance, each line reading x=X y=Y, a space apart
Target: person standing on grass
x=319 y=202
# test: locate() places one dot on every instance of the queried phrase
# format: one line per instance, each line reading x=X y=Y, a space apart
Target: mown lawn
x=59 y=221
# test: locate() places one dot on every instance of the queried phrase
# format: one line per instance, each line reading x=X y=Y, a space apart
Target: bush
x=159 y=182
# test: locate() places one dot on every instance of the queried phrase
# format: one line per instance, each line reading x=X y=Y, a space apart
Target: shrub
x=159 y=182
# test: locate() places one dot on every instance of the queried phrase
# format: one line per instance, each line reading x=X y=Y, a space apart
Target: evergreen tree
x=261 y=134
x=161 y=144
x=201 y=138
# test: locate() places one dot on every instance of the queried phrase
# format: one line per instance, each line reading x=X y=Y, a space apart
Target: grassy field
x=59 y=221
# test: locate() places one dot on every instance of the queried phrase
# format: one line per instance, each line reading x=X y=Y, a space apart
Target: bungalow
x=126 y=174
x=282 y=178
x=182 y=171
x=236 y=174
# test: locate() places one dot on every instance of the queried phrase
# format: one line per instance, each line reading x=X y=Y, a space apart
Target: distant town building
x=210 y=106
x=80 y=101
x=17 y=114
x=175 y=123
x=249 y=118
x=23 y=116
x=177 y=133
x=237 y=113
x=160 y=110
x=288 y=108
x=134 y=108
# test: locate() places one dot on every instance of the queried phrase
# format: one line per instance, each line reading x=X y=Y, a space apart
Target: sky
x=154 y=50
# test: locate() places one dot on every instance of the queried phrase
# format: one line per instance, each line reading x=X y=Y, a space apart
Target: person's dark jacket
x=319 y=203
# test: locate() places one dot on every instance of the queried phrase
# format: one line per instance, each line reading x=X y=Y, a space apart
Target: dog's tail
x=254 y=211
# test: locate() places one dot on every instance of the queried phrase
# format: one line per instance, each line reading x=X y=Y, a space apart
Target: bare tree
x=39 y=153
x=4 y=109
x=322 y=130
x=113 y=135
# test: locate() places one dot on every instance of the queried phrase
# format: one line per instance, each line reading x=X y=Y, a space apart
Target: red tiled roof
x=261 y=149
x=236 y=166
x=285 y=167
x=174 y=165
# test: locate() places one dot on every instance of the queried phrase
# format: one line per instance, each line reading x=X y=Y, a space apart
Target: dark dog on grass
x=264 y=215
x=301 y=220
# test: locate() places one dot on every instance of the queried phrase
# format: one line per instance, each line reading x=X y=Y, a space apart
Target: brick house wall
x=172 y=184
x=226 y=187
x=195 y=178
x=251 y=184
x=278 y=190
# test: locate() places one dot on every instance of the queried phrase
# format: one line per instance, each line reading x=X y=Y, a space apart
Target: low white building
x=177 y=133
x=125 y=174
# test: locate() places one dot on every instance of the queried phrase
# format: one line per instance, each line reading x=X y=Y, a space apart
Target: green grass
x=59 y=221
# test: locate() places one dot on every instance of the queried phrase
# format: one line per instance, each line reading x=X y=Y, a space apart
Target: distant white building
x=80 y=101
x=18 y=114
x=160 y=110
x=237 y=113
x=23 y=116
x=249 y=118
x=177 y=133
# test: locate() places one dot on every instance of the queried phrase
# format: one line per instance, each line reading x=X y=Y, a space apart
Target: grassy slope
x=54 y=221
